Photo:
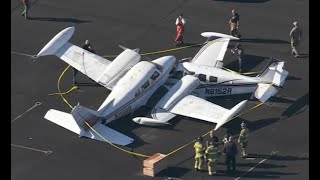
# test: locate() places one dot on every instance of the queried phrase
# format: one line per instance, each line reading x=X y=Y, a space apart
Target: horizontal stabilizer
x=63 y=119
x=67 y=121
x=274 y=74
x=108 y=134
x=264 y=92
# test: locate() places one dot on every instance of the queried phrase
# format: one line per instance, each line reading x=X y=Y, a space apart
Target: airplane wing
x=192 y=106
x=212 y=53
x=99 y=69
x=67 y=121
x=177 y=101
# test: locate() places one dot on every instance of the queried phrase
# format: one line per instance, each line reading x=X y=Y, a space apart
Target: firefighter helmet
x=200 y=138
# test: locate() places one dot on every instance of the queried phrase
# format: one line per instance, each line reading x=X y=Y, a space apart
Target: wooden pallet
x=154 y=164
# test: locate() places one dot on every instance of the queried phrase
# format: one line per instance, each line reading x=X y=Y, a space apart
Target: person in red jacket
x=180 y=22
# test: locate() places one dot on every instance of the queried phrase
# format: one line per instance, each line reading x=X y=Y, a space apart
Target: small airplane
x=129 y=92
x=207 y=65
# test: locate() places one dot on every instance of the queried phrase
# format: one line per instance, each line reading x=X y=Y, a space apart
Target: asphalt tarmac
x=279 y=140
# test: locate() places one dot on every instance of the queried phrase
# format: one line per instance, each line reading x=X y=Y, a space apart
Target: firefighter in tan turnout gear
x=200 y=153
x=243 y=139
x=212 y=155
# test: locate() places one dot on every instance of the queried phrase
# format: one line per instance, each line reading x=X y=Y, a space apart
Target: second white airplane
x=207 y=65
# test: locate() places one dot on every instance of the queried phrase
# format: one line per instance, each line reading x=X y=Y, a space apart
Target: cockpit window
x=159 y=67
x=145 y=85
x=189 y=73
x=202 y=77
x=213 y=79
x=138 y=92
x=155 y=75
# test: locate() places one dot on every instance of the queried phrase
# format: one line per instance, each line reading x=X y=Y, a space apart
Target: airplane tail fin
x=75 y=122
x=274 y=73
x=231 y=113
x=83 y=115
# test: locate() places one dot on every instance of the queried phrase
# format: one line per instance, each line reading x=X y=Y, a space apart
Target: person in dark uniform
x=87 y=46
x=238 y=51
x=26 y=5
x=234 y=24
x=230 y=150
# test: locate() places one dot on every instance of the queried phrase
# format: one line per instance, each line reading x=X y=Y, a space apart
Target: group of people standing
x=210 y=152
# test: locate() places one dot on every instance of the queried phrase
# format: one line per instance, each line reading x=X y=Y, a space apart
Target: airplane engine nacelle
x=149 y=121
x=181 y=89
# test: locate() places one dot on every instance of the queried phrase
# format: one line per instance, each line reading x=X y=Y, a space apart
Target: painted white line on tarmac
x=252 y=168
x=263 y=160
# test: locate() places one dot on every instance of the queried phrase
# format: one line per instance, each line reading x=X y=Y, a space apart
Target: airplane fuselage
x=136 y=87
x=219 y=82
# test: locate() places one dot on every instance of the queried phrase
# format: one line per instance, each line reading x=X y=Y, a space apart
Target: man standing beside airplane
x=87 y=46
x=238 y=51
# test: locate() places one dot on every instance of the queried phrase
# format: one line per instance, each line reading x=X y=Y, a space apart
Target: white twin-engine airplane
x=207 y=65
x=131 y=83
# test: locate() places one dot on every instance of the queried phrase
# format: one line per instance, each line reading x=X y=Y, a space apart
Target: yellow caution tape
x=58 y=85
x=73 y=88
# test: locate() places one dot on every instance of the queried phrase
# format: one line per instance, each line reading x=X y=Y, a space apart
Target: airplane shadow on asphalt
x=299 y=106
x=72 y=20
x=264 y=41
x=248 y=63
